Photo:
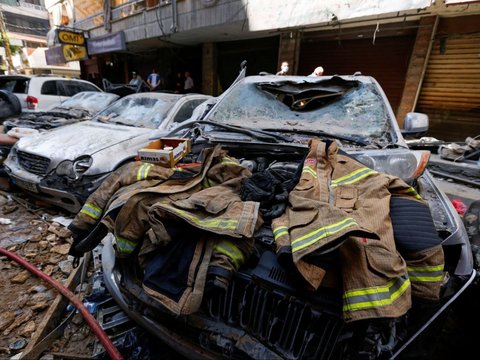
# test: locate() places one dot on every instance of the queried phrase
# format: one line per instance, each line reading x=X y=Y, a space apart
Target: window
x=49 y=88
x=186 y=110
x=87 y=87
x=18 y=86
x=70 y=88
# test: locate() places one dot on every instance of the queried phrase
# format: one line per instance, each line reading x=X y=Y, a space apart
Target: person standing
x=153 y=80
x=189 y=85
x=134 y=80
x=283 y=69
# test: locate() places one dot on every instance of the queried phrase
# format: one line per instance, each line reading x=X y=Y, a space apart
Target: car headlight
x=74 y=169
x=405 y=165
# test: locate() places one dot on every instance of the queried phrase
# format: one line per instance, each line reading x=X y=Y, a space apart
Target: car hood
x=84 y=138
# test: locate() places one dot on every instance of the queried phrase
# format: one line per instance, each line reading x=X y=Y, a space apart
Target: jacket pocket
x=203 y=203
x=217 y=204
x=384 y=262
x=346 y=197
x=302 y=218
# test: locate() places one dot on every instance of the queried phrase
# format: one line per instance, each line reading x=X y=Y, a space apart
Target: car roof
x=163 y=95
x=15 y=77
x=41 y=76
x=299 y=78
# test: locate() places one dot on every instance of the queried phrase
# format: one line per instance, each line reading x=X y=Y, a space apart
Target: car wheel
x=9 y=104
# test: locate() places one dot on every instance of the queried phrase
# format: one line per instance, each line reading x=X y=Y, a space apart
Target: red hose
x=97 y=330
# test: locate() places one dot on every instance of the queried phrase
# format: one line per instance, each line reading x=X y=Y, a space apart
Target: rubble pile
x=25 y=300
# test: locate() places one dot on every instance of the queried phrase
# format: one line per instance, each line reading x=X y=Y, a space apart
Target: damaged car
x=298 y=225
x=81 y=106
x=64 y=165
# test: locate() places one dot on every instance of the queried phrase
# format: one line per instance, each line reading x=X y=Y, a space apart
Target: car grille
x=33 y=163
x=286 y=324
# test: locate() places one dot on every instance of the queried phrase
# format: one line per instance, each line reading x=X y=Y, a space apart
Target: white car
x=81 y=106
x=40 y=92
x=65 y=165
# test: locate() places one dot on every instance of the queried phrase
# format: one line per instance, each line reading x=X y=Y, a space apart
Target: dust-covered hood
x=85 y=138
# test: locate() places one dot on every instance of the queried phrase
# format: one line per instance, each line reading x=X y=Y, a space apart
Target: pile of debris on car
x=459 y=161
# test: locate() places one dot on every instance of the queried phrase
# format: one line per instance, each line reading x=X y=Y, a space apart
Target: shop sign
x=107 y=43
x=74 y=52
x=70 y=37
x=61 y=54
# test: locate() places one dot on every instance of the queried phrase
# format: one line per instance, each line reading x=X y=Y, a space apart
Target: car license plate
x=26 y=185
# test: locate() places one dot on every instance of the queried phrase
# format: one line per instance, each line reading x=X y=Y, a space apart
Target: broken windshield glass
x=88 y=101
x=145 y=112
x=337 y=106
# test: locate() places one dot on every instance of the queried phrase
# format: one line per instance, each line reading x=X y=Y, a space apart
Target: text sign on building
x=107 y=43
x=74 y=52
x=69 y=37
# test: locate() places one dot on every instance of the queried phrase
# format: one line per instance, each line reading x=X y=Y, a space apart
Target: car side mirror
x=415 y=124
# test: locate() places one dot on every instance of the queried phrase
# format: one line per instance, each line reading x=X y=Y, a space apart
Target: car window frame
x=48 y=82
x=183 y=106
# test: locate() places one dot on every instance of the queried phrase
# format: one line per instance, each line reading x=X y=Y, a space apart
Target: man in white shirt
x=189 y=84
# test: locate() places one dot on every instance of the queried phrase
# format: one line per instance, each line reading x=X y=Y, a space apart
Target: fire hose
x=92 y=323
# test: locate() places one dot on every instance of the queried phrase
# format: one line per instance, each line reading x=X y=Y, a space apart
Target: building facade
x=26 y=24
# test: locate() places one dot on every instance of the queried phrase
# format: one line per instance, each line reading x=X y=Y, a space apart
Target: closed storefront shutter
x=450 y=93
x=386 y=59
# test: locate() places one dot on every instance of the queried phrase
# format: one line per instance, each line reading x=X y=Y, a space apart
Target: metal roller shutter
x=450 y=92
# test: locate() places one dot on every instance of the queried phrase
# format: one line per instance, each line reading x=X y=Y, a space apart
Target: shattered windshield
x=148 y=112
x=93 y=102
x=336 y=106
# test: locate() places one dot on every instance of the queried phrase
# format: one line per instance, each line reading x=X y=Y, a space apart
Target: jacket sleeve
x=92 y=210
x=400 y=188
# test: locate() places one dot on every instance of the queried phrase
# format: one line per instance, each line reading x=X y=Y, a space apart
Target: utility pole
x=6 y=42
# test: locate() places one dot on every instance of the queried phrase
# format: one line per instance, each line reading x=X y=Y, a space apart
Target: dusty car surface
x=64 y=165
x=81 y=106
x=160 y=269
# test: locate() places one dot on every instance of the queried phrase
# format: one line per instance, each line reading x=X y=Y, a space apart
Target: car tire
x=10 y=105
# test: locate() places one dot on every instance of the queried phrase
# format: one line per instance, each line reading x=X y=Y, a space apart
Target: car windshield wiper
x=123 y=123
x=258 y=134
x=353 y=139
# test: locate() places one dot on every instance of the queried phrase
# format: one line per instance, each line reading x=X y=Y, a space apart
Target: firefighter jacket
x=206 y=202
x=341 y=205
x=102 y=206
x=214 y=225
